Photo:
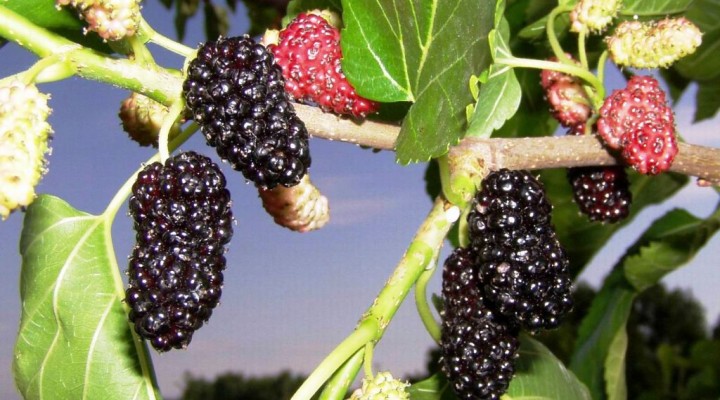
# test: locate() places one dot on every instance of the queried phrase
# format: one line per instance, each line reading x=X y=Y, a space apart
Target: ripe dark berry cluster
x=638 y=121
x=601 y=193
x=523 y=269
x=513 y=275
x=182 y=218
x=309 y=53
x=236 y=93
x=479 y=346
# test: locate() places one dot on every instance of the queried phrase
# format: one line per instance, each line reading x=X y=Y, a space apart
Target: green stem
x=582 y=53
x=552 y=37
x=368 y=359
x=157 y=83
x=601 y=68
x=364 y=333
x=569 y=69
x=428 y=239
x=164 y=41
x=423 y=307
x=337 y=387
x=173 y=114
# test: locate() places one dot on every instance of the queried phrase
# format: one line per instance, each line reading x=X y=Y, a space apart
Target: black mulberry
x=236 y=93
x=523 y=269
x=602 y=193
x=479 y=346
x=183 y=220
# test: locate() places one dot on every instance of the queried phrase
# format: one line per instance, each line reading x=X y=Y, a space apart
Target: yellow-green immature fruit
x=113 y=19
x=24 y=136
x=300 y=208
x=381 y=387
x=655 y=44
x=593 y=15
x=142 y=118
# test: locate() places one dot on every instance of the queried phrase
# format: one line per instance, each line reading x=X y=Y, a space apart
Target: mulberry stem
x=364 y=333
x=157 y=83
x=420 y=253
x=552 y=38
x=424 y=310
x=569 y=69
x=163 y=41
x=338 y=385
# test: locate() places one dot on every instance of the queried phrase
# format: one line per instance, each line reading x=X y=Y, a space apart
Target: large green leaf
x=670 y=242
x=63 y=21
x=408 y=50
x=74 y=340
x=539 y=375
x=654 y=7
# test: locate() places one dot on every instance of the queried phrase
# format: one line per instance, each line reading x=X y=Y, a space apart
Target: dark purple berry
x=183 y=220
x=523 y=268
x=236 y=93
x=602 y=193
x=478 y=346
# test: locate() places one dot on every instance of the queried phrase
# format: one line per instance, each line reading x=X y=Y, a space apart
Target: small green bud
x=24 y=136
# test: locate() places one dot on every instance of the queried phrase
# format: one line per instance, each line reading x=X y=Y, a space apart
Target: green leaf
x=654 y=7
x=540 y=375
x=597 y=335
x=74 y=340
x=707 y=100
x=436 y=387
x=615 y=366
x=408 y=50
x=582 y=238
x=669 y=243
x=500 y=96
x=678 y=236
x=64 y=21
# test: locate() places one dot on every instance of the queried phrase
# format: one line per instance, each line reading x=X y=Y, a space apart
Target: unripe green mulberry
x=142 y=118
x=381 y=387
x=593 y=15
x=24 y=136
x=655 y=44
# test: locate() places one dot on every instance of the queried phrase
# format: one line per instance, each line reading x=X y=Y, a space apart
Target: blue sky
x=288 y=298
